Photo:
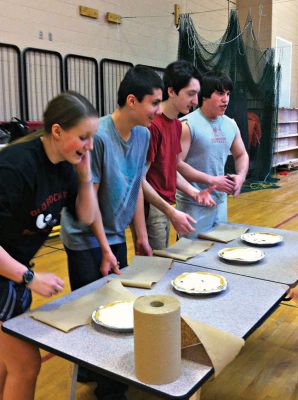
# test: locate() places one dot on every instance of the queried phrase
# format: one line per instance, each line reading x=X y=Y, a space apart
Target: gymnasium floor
x=266 y=369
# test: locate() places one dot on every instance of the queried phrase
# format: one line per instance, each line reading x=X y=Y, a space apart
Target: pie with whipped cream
x=262 y=238
x=242 y=254
x=116 y=316
x=199 y=283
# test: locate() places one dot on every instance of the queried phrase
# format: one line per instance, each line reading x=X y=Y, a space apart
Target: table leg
x=73 y=369
x=196 y=396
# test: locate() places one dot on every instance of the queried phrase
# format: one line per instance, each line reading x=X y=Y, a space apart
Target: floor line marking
x=286 y=220
x=47 y=357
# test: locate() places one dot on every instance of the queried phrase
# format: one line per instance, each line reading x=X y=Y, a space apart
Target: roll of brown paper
x=157 y=339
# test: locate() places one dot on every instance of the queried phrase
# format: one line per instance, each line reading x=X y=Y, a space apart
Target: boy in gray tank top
x=208 y=137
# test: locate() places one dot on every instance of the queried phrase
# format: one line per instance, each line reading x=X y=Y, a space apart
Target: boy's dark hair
x=177 y=75
x=139 y=81
x=214 y=81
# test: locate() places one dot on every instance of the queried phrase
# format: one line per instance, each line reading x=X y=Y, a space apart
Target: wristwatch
x=28 y=276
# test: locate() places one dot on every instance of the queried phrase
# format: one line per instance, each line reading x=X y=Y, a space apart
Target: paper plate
x=246 y=255
x=199 y=283
x=116 y=316
x=261 y=238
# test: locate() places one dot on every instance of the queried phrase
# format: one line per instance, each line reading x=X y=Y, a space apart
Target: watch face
x=28 y=276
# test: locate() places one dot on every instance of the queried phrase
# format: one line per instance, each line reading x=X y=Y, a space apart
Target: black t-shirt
x=33 y=191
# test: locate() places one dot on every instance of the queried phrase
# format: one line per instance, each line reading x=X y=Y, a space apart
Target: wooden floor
x=266 y=369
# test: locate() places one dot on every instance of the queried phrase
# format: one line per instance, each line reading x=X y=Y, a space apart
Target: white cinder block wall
x=150 y=39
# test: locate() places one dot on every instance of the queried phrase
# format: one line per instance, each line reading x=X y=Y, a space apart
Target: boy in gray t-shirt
x=118 y=165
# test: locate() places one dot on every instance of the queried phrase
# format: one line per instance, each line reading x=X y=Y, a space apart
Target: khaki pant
x=158 y=228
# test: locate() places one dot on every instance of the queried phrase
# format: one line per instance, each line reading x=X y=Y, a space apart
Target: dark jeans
x=83 y=268
x=83 y=265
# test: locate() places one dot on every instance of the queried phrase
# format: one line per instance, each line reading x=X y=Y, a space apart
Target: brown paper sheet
x=144 y=271
x=221 y=347
x=188 y=337
x=184 y=249
x=223 y=233
x=78 y=312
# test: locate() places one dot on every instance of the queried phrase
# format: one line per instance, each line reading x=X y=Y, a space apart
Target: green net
x=254 y=100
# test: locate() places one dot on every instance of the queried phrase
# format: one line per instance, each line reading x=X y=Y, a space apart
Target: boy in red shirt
x=181 y=88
